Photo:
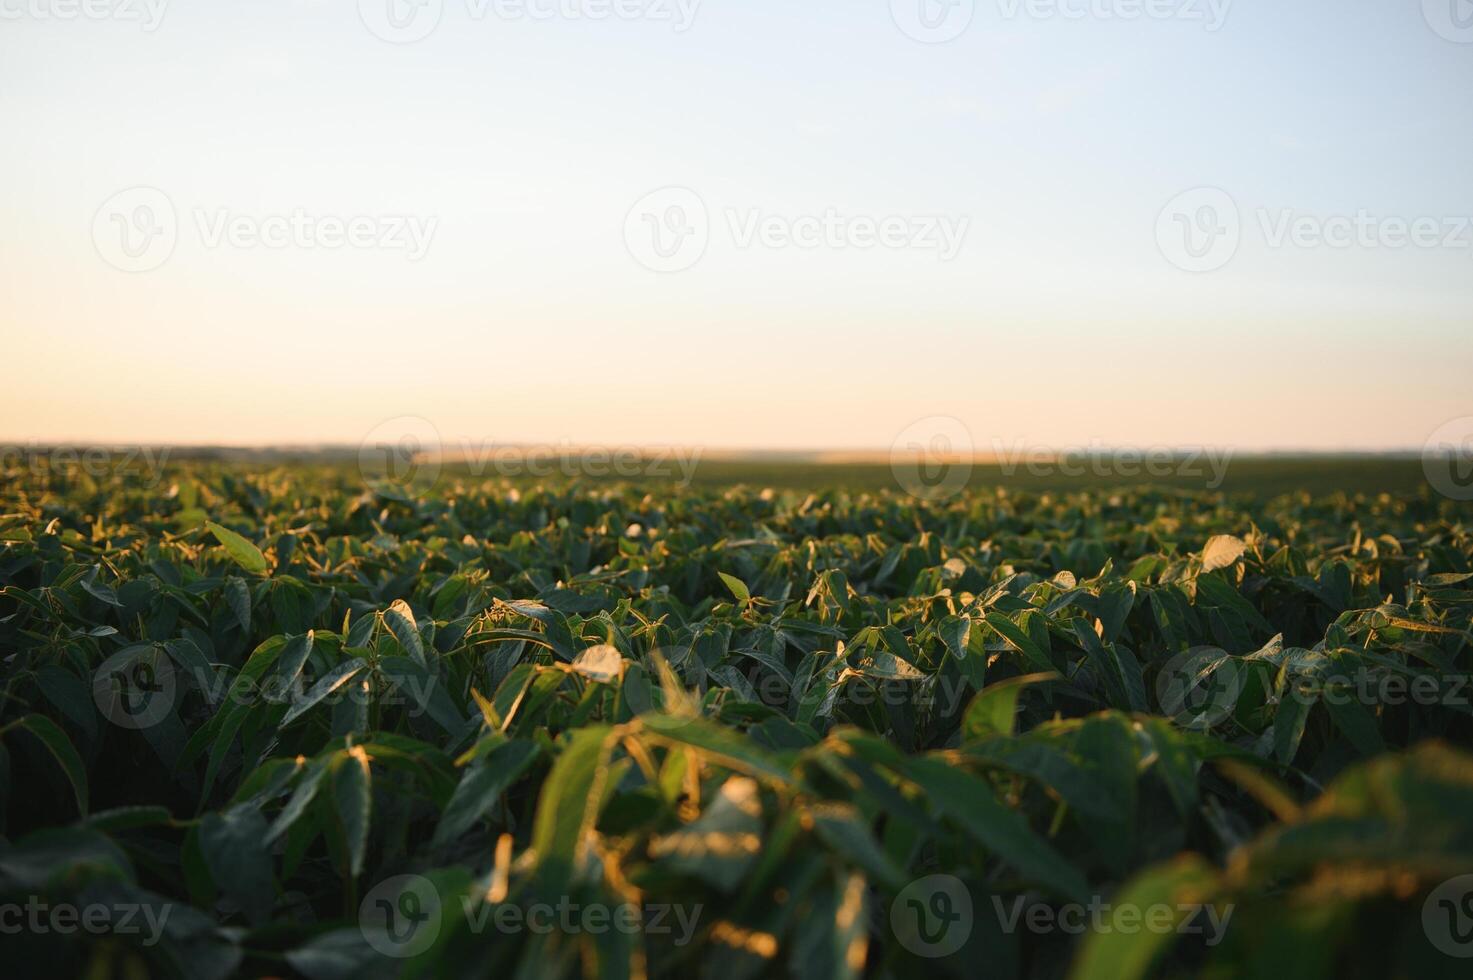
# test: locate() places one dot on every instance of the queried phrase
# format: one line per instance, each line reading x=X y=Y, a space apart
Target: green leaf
x=723 y=843
x=884 y=665
x=482 y=786
x=352 y=801
x=400 y=620
x=1355 y=722
x=737 y=586
x=994 y=710
x=1289 y=724
x=61 y=749
x=293 y=657
x=233 y=844
x=128 y=818
x=70 y=694
x=245 y=554
x=569 y=804
x=238 y=596
x=728 y=747
x=955 y=631
x=1018 y=638
x=235 y=715
x=834 y=940
x=48 y=858
x=325 y=685
x=427 y=690
x=1129 y=955
x=1176 y=763
x=843 y=829
x=301 y=798
x=971 y=803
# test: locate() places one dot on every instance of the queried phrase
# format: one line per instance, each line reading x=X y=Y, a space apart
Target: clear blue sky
x=1060 y=321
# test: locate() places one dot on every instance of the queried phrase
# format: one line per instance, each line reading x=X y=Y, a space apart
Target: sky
x=737 y=223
